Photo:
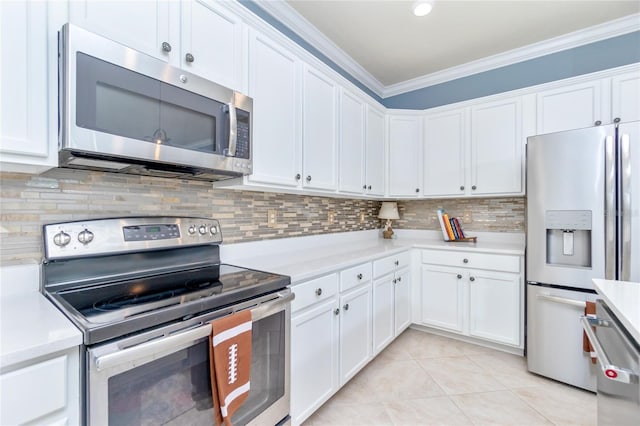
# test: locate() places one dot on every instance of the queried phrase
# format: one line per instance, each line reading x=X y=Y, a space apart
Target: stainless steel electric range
x=143 y=291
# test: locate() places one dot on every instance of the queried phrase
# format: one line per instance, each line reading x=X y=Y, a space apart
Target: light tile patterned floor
x=424 y=379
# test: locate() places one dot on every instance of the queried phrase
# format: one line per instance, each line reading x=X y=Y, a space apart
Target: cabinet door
x=355 y=331
x=442 y=297
x=445 y=138
x=496 y=148
x=213 y=38
x=402 y=305
x=24 y=135
x=374 y=167
x=319 y=147
x=274 y=85
x=383 y=313
x=625 y=97
x=141 y=25
x=351 y=144
x=404 y=156
x=314 y=358
x=572 y=107
x=494 y=306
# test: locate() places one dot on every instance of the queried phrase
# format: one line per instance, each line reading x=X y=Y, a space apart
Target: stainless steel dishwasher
x=618 y=355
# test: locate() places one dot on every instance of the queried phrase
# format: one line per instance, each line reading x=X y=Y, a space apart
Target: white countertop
x=623 y=298
x=304 y=258
x=30 y=325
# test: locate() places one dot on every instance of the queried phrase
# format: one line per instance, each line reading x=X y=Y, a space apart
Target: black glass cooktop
x=117 y=301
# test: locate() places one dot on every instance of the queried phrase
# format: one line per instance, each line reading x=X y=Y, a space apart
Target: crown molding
x=599 y=32
x=288 y=16
x=307 y=31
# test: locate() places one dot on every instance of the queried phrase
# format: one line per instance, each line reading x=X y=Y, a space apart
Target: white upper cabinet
x=374 y=164
x=445 y=140
x=319 y=130
x=497 y=145
x=404 y=156
x=144 y=25
x=570 y=107
x=28 y=86
x=212 y=44
x=625 y=97
x=274 y=85
x=352 y=143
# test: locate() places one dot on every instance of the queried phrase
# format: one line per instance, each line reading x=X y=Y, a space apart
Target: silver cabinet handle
x=397 y=262
x=598 y=122
x=610 y=371
x=617 y=120
x=166 y=47
x=189 y=58
x=346 y=307
x=465 y=260
x=359 y=276
x=309 y=178
x=369 y=187
x=318 y=292
x=459 y=276
x=395 y=281
x=472 y=278
x=461 y=187
x=337 y=311
x=364 y=186
x=399 y=279
x=298 y=176
x=473 y=187
x=563 y=300
x=417 y=189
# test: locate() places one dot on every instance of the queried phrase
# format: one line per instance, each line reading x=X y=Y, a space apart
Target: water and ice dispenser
x=568 y=237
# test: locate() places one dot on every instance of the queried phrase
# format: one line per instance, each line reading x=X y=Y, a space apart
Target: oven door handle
x=107 y=361
x=271 y=307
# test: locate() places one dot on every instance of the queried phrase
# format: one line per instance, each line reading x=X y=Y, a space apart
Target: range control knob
x=61 y=239
x=191 y=230
x=202 y=229
x=213 y=229
x=85 y=237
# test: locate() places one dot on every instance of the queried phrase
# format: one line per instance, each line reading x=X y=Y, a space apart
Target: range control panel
x=111 y=236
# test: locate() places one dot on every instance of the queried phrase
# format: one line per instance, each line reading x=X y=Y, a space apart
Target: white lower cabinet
x=45 y=392
x=331 y=328
x=474 y=294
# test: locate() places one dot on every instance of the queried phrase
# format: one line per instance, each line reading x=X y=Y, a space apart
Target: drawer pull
x=472 y=279
x=346 y=307
x=359 y=276
x=318 y=292
x=459 y=276
x=395 y=281
x=399 y=279
x=397 y=262
x=337 y=311
x=465 y=260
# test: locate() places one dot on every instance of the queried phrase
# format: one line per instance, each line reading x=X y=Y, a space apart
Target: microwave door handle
x=233 y=130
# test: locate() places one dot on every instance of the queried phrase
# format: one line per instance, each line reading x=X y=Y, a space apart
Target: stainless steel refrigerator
x=583 y=222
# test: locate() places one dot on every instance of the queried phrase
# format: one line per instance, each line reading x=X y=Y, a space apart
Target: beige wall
x=61 y=195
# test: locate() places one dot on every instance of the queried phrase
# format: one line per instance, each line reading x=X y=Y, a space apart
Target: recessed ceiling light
x=422 y=7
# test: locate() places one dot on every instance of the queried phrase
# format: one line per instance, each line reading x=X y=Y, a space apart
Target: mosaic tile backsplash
x=59 y=195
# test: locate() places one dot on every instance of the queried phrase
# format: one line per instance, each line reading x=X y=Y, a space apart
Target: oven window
x=176 y=389
x=117 y=101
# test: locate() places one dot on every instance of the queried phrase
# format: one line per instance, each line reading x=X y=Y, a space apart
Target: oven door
x=163 y=377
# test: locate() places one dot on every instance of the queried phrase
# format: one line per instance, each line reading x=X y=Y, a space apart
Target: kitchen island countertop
x=623 y=298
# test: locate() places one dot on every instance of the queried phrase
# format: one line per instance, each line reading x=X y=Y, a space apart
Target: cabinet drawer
x=314 y=291
x=493 y=262
x=351 y=277
x=34 y=391
x=391 y=263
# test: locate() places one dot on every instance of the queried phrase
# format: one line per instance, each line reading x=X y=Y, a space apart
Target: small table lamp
x=389 y=211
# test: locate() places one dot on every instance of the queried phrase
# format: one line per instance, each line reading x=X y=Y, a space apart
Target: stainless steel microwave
x=124 y=111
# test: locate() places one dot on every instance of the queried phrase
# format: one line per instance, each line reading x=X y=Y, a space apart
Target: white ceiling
x=386 y=41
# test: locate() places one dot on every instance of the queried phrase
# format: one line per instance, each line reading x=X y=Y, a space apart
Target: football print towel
x=230 y=361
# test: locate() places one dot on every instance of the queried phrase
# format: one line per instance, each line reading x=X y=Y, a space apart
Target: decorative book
x=451 y=229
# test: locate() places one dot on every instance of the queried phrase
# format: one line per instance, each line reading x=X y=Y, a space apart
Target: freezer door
x=566 y=206
x=554 y=336
x=629 y=202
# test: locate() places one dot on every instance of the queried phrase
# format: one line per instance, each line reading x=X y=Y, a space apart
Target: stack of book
x=451 y=229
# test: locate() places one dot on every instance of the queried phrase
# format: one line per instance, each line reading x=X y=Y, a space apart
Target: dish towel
x=230 y=361
x=589 y=311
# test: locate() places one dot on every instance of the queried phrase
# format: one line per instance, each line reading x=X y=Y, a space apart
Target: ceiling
x=392 y=45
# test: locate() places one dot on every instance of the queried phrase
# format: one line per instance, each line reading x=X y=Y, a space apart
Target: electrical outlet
x=362 y=217
x=272 y=218
x=331 y=217
x=467 y=216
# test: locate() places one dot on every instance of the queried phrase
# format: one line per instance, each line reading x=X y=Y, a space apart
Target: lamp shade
x=389 y=210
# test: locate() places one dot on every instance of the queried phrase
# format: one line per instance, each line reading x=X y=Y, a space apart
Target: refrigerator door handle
x=610 y=209
x=625 y=213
